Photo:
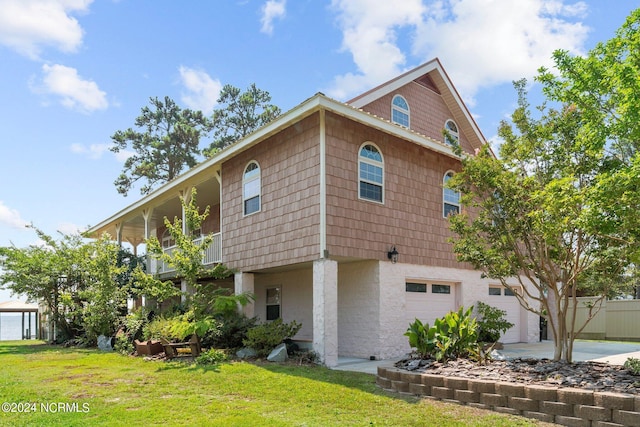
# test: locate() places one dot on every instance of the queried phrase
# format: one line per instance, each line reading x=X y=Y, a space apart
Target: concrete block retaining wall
x=564 y=406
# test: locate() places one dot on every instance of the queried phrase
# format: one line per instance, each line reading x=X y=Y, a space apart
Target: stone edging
x=560 y=405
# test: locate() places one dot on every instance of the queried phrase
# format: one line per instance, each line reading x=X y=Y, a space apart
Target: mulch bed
x=585 y=375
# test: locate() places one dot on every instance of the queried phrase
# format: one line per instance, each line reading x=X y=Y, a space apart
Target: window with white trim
x=371 y=173
x=450 y=198
x=251 y=188
x=452 y=137
x=400 y=111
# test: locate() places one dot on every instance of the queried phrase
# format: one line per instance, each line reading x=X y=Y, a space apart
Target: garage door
x=503 y=298
x=428 y=301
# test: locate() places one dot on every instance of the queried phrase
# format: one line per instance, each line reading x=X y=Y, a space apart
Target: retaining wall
x=560 y=405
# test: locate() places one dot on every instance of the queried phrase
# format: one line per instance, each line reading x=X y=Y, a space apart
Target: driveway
x=615 y=353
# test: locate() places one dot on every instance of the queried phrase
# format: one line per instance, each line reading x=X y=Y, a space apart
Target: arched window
x=251 y=188
x=450 y=198
x=452 y=137
x=371 y=173
x=167 y=240
x=400 y=111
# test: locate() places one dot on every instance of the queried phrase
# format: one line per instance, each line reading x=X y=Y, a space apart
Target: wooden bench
x=172 y=349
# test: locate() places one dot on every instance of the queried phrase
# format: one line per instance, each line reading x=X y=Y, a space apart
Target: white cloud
x=95 y=151
x=27 y=25
x=11 y=217
x=488 y=42
x=202 y=90
x=369 y=29
x=70 y=228
x=75 y=92
x=481 y=43
x=271 y=10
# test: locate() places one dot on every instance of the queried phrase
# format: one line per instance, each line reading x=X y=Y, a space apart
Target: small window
x=273 y=303
x=416 y=287
x=371 y=173
x=450 y=198
x=167 y=240
x=494 y=291
x=508 y=292
x=452 y=137
x=251 y=188
x=400 y=111
x=440 y=289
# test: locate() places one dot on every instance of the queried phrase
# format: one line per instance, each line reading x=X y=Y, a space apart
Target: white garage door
x=428 y=301
x=504 y=299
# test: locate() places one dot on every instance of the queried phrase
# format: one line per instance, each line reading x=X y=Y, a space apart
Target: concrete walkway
x=615 y=353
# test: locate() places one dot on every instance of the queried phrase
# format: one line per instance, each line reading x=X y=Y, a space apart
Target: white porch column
x=325 y=310
x=244 y=282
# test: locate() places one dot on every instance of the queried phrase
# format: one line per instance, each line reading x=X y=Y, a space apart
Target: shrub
x=212 y=357
x=123 y=344
x=452 y=336
x=491 y=323
x=180 y=327
x=263 y=338
x=632 y=365
x=231 y=333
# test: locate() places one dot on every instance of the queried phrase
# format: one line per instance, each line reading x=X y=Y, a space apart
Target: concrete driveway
x=615 y=353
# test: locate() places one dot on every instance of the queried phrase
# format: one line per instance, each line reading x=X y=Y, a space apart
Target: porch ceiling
x=208 y=194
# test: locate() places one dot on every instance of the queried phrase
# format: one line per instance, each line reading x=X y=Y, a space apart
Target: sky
x=73 y=72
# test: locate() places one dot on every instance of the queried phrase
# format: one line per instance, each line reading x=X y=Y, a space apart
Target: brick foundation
x=564 y=406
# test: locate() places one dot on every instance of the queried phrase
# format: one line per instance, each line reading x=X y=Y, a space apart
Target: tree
x=168 y=143
x=604 y=86
x=186 y=259
x=240 y=114
x=528 y=216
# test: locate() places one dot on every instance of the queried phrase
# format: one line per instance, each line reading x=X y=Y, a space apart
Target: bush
x=123 y=344
x=491 y=323
x=180 y=327
x=452 y=336
x=231 y=333
x=632 y=365
x=263 y=338
x=212 y=357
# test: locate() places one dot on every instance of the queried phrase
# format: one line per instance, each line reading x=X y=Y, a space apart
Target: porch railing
x=212 y=254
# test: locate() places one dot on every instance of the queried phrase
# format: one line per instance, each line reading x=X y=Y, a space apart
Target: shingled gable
x=432 y=76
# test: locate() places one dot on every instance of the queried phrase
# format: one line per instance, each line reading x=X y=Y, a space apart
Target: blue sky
x=75 y=71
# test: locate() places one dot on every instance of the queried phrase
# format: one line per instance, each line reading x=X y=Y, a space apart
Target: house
x=335 y=215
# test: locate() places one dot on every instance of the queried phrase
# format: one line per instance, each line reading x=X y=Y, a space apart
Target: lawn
x=80 y=387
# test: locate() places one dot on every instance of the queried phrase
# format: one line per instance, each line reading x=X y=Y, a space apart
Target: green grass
x=120 y=390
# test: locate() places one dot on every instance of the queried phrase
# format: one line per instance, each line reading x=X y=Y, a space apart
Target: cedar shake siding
x=286 y=229
x=427 y=110
x=411 y=216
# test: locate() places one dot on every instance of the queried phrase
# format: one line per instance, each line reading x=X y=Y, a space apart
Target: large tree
x=528 y=216
x=166 y=142
x=83 y=284
x=239 y=114
x=605 y=86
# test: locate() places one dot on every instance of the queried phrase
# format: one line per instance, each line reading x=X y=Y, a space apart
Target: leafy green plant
x=212 y=356
x=231 y=332
x=452 y=336
x=491 y=323
x=123 y=344
x=422 y=338
x=180 y=327
x=632 y=365
x=263 y=338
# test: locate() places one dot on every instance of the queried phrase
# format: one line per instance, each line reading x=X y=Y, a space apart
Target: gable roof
x=433 y=76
